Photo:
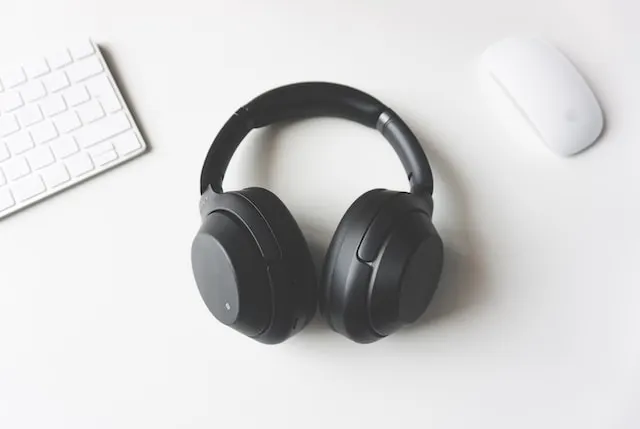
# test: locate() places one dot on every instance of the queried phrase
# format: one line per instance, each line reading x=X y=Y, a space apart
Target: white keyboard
x=62 y=120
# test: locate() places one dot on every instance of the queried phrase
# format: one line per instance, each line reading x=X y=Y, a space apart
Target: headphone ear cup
x=341 y=257
x=252 y=265
x=383 y=266
x=406 y=270
x=293 y=277
x=231 y=271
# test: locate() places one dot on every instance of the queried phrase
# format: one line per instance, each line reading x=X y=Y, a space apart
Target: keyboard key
x=101 y=88
x=84 y=68
x=19 y=142
x=53 y=104
x=90 y=111
x=13 y=77
x=67 y=121
x=33 y=90
x=56 y=81
x=40 y=157
x=4 y=152
x=64 y=146
x=10 y=101
x=36 y=68
x=6 y=200
x=29 y=115
x=16 y=168
x=55 y=175
x=8 y=125
x=76 y=95
x=79 y=164
x=59 y=59
x=101 y=148
x=3 y=180
x=43 y=132
x=28 y=188
x=104 y=157
x=126 y=143
x=110 y=102
x=81 y=50
x=103 y=129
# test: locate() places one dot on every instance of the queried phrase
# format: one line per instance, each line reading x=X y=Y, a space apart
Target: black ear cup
x=345 y=241
x=299 y=281
x=382 y=267
x=253 y=267
x=232 y=273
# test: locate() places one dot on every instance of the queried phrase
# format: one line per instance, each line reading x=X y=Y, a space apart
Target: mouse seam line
x=518 y=106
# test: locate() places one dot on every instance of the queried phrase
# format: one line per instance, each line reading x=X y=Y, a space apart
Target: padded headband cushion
x=310 y=99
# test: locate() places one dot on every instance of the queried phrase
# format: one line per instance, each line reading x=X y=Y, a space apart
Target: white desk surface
x=536 y=323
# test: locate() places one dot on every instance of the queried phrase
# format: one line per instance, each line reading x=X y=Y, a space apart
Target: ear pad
x=342 y=251
x=382 y=267
x=296 y=270
x=253 y=267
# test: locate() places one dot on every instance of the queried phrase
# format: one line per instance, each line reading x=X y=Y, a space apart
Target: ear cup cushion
x=295 y=274
x=343 y=249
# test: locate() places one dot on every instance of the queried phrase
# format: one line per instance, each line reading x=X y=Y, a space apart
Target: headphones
x=252 y=264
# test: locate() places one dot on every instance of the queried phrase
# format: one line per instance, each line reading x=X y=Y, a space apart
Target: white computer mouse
x=547 y=89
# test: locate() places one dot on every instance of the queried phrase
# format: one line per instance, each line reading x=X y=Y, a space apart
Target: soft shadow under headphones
x=252 y=264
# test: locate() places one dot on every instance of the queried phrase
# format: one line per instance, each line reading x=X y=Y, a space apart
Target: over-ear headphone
x=252 y=264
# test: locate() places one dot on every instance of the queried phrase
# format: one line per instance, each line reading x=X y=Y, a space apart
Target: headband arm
x=222 y=149
x=408 y=149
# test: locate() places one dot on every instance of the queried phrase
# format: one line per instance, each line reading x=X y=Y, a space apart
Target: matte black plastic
x=312 y=99
x=367 y=298
x=350 y=309
x=409 y=151
x=232 y=275
x=236 y=203
x=346 y=241
x=344 y=275
x=222 y=149
x=309 y=99
x=296 y=294
x=250 y=255
x=407 y=271
x=379 y=229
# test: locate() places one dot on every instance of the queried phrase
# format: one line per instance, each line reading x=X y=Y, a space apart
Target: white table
x=536 y=324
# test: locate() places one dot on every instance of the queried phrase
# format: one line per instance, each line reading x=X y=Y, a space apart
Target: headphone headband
x=313 y=99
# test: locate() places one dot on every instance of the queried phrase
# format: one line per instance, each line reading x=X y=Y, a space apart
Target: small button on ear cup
x=293 y=277
x=231 y=274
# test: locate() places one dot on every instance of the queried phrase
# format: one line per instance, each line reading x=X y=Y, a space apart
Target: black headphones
x=252 y=264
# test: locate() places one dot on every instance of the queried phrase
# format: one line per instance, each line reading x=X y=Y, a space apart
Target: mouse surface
x=547 y=89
